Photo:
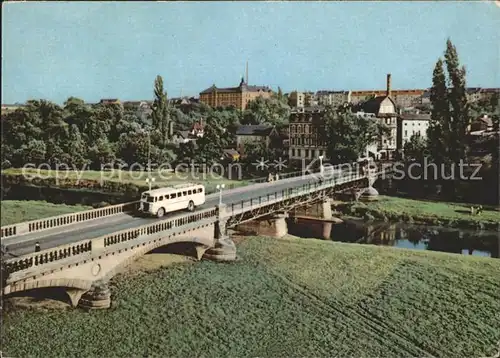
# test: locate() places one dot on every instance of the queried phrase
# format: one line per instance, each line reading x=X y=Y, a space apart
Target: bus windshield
x=148 y=198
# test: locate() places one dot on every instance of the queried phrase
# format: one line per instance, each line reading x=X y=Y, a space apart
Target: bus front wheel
x=191 y=206
x=160 y=212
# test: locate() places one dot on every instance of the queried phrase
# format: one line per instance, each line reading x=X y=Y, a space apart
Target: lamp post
x=150 y=182
x=320 y=164
x=220 y=187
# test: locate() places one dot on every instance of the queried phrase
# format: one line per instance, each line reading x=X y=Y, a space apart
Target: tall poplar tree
x=440 y=116
x=160 y=115
x=458 y=105
x=450 y=112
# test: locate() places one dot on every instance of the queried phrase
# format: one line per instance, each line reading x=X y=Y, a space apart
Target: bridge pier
x=273 y=225
x=98 y=297
x=224 y=248
x=320 y=210
x=75 y=294
x=370 y=193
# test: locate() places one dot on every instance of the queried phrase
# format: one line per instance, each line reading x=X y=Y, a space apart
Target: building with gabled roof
x=384 y=108
x=237 y=97
x=254 y=133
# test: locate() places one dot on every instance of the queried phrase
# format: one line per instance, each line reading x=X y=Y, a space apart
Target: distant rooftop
x=243 y=87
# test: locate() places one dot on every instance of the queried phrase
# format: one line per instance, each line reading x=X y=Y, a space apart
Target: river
x=409 y=236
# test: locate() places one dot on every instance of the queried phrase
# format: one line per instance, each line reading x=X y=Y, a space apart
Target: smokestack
x=247 y=73
x=388 y=84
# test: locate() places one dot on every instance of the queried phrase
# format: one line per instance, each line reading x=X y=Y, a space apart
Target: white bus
x=157 y=202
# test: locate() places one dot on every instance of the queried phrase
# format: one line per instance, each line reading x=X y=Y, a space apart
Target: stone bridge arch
x=86 y=279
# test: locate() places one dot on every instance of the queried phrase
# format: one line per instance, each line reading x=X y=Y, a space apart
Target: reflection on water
x=418 y=237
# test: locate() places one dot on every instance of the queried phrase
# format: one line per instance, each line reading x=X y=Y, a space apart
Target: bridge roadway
x=25 y=244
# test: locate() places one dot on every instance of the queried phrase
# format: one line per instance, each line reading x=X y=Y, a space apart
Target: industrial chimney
x=388 y=84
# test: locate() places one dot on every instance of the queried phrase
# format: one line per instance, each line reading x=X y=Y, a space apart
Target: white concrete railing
x=32 y=262
x=27 y=227
x=53 y=222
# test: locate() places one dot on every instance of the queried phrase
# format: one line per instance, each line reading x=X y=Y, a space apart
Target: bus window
x=160 y=198
x=200 y=190
x=184 y=193
x=173 y=196
x=150 y=199
x=190 y=192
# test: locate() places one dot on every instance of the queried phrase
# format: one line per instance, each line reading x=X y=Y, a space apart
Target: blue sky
x=104 y=50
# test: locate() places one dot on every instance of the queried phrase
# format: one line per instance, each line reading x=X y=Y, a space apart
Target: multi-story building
x=384 y=108
x=404 y=98
x=410 y=124
x=296 y=99
x=237 y=97
x=306 y=126
x=333 y=98
x=310 y=99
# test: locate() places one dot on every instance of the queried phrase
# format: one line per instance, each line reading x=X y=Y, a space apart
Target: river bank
x=309 y=297
x=388 y=208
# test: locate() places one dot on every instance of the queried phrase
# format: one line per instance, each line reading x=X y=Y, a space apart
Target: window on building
x=306 y=153
x=406 y=133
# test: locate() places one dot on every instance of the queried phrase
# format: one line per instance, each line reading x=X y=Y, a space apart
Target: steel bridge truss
x=288 y=204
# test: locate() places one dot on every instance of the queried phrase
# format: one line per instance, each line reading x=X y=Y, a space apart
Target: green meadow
x=283 y=297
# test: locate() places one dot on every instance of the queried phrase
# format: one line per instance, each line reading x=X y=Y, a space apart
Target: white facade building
x=412 y=124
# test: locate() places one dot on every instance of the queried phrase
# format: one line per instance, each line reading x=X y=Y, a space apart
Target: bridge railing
x=63 y=220
x=89 y=246
x=271 y=198
x=53 y=222
x=83 y=247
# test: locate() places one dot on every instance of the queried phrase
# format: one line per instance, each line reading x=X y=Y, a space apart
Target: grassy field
x=288 y=297
x=427 y=211
x=14 y=211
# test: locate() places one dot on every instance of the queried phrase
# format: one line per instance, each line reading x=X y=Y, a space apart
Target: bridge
x=82 y=251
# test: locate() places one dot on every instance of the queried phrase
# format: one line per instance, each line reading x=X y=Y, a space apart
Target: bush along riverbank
x=454 y=215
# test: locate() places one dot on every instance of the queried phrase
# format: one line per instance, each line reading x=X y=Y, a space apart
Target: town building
x=198 y=129
x=296 y=99
x=237 y=97
x=306 y=125
x=402 y=98
x=310 y=99
x=410 y=124
x=384 y=109
x=259 y=133
x=333 y=98
x=480 y=125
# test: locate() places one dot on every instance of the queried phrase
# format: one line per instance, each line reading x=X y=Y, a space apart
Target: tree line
x=79 y=134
